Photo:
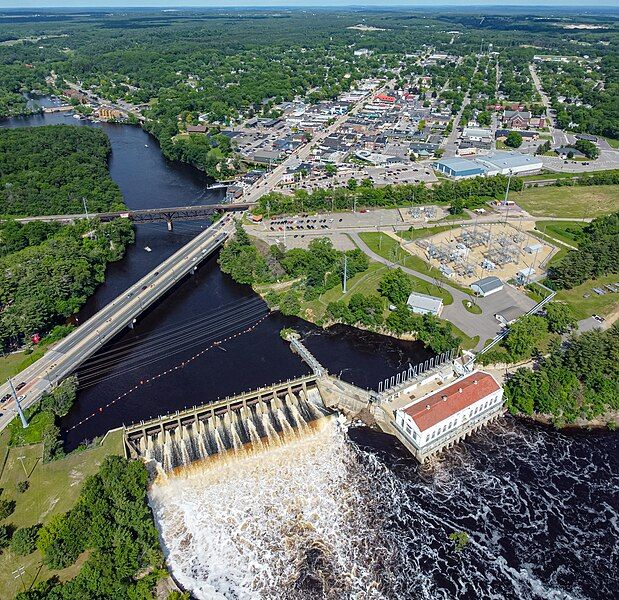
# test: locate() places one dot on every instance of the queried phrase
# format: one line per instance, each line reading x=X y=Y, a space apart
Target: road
x=483 y=325
x=67 y=355
x=270 y=180
x=196 y=211
x=559 y=138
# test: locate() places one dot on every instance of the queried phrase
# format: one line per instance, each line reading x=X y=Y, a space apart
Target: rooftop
x=448 y=400
x=508 y=160
x=488 y=283
x=424 y=301
x=459 y=164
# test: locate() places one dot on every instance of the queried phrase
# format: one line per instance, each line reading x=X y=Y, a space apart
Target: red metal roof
x=447 y=401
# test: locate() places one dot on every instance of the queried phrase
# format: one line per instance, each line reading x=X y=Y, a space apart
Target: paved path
x=483 y=325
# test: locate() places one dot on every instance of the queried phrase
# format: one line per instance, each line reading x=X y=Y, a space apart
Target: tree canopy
x=50 y=171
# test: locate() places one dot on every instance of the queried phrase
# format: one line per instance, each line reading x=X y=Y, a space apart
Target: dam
x=261 y=417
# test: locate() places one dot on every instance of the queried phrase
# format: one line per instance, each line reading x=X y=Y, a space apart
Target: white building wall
x=454 y=424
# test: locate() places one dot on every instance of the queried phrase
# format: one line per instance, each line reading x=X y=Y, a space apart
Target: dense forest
x=576 y=380
x=51 y=170
x=43 y=284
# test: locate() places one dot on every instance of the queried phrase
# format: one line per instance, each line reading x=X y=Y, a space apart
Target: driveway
x=484 y=325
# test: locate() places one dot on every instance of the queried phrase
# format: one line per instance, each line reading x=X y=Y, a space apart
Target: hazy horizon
x=103 y=4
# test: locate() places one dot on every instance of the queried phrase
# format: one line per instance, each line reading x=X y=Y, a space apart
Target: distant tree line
x=50 y=170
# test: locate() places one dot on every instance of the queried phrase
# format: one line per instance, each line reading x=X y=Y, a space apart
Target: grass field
x=54 y=488
x=569 y=201
x=389 y=249
x=564 y=231
x=367 y=283
x=417 y=234
x=594 y=304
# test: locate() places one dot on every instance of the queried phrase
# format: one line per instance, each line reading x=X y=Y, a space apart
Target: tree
x=330 y=169
x=560 y=317
x=589 y=149
x=6 y=507
x=5 y=536
x=22 y=486
x=456 y=207
x=484 y=118
x=289 y=303
x=524 y=336
x=514 y=139
x=62 y=397
x=24 y=540
x=352 y=184
x=396 y=286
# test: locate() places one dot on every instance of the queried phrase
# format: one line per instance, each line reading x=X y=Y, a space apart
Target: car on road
x=5 y=398
x=22 y=397
x=20 y=386
x=598 y=318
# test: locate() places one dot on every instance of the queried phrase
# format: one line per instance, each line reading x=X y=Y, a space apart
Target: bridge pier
x=170 y=223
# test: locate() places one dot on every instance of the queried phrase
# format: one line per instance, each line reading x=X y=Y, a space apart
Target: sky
x=257 y=3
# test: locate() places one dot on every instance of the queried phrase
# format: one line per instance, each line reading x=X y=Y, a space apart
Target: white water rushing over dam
x=342 y=515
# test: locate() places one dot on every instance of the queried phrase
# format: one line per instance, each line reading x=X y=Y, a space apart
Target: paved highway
x=68 y=354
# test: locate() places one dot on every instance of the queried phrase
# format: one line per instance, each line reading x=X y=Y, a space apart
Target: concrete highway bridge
x=150 y=215
x=121 y=312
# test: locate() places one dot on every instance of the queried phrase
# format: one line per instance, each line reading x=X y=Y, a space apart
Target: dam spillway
x=263 y=417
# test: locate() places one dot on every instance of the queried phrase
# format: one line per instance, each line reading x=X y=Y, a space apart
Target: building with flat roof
x=459 y=168
x=487 y=286
x=446 y=415
x=423 y=304
x=501 y=162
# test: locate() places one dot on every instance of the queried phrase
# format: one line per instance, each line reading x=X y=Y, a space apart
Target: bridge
x=121 y=312
x=149 y=215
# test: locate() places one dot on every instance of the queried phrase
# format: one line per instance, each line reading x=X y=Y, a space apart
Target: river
x=336 y=514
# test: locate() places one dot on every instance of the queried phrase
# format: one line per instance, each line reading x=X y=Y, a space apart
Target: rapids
x=347 y=514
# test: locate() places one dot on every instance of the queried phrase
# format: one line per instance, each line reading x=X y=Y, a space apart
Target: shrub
x=22 y=486
x=6 y=508
x=24 y=540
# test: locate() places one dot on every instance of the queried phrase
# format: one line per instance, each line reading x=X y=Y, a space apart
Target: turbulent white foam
x=288 y=522
x=318 y=517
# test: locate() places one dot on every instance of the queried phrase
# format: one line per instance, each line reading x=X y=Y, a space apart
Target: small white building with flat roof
x=422 y=304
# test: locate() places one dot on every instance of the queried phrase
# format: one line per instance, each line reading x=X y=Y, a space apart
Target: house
x=446 y=415
x=569 y=152
x=516 y=119
x=423 y=304
x=385 y=98
x=487 y=286
x=537 y=122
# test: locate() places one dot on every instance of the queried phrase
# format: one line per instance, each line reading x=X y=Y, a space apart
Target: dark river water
x=540 y=507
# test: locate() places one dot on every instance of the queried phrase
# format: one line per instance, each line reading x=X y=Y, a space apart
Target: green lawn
x=594 y=304
x=389 y=249
x=564 y=231
x=612 y=142
x=54 y=488
x=10 y=365
x=569 y=201
x=473 y=308
x=367 y=283
x=416 y=234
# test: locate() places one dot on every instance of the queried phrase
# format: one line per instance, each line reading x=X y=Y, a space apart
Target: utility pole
x=24 y=422
x=85 y=208
x=509 y=180
x=21 y=460
x=284 y=236
x=345 y=274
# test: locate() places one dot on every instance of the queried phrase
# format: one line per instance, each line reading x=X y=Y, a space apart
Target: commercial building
x=502 y=163
x=422 y=304
x=459 y=168
x=446 y=415
x=487 y=286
